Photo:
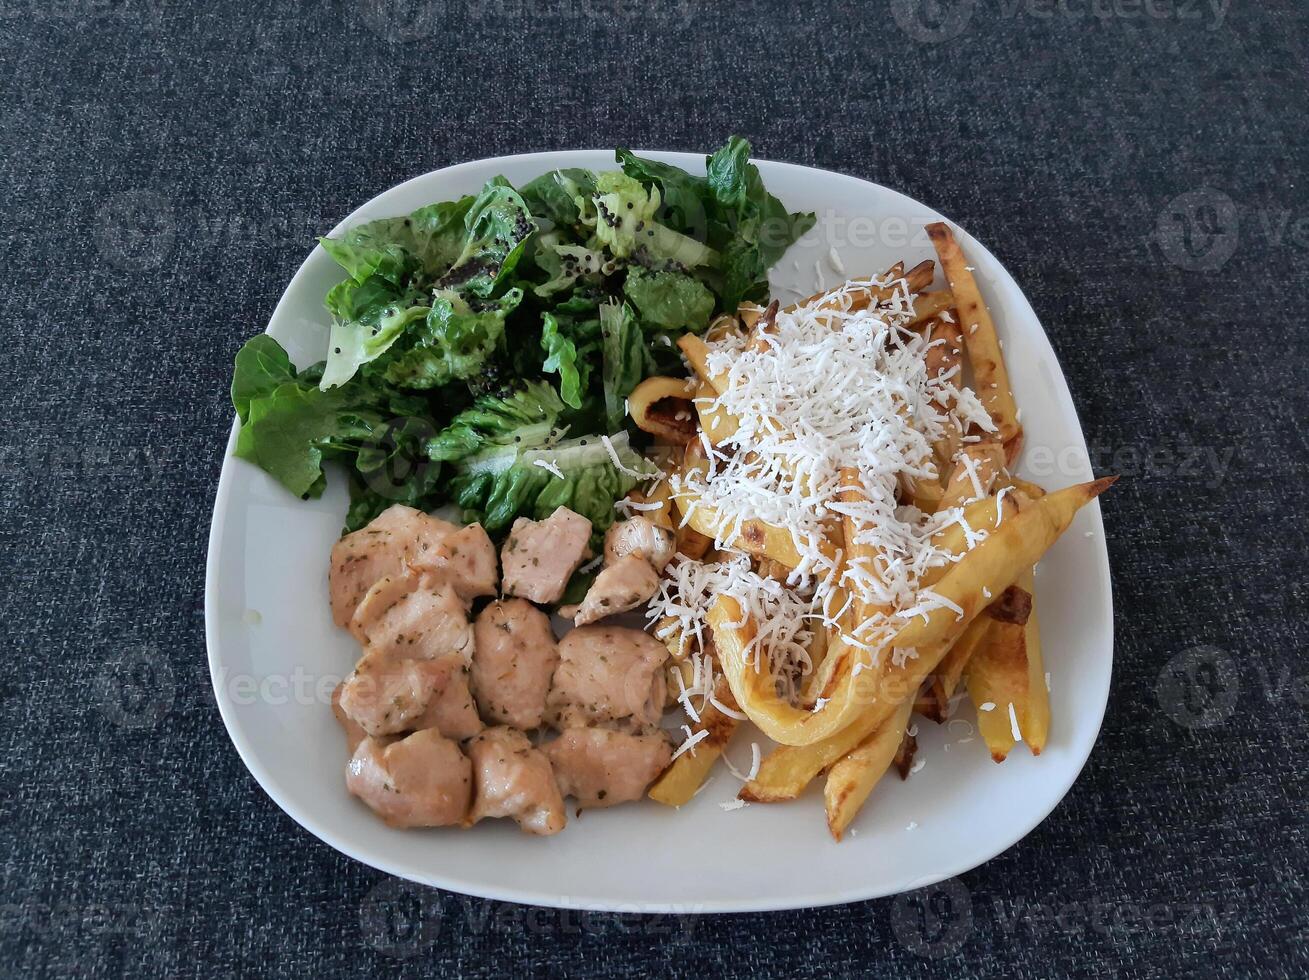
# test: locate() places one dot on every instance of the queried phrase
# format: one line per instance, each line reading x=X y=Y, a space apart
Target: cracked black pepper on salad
x=480 y=348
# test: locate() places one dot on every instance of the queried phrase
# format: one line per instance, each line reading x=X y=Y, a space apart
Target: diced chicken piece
x=619 y=588
x=385 y=695
x=514 y=658
x=419 y=781
x=513 y=779
x=608 y=675
x=540 y=556
x=639 y=536
x=413 y=616
x=603 y=768
x=451 y=710
x=353 y=733
x=467 y=560
x=384 y=547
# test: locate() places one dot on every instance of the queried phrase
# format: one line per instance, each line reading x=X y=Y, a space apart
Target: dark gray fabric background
x=1139 y=168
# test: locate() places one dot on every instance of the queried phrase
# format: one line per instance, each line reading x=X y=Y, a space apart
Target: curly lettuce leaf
x=625 y=359
x=451 y=342
x=669 y=300
x=354 y=343
x=683 y=194
x=562 y=197
x=428 y=240
x=566 y=265
x=562 y=359
x=627 y=227
x=527 y=418
x=751 y=228
x=496 y=230
x=498 y=486
x=262 y=365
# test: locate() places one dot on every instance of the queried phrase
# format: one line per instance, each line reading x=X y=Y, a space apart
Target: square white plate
x=275 y=655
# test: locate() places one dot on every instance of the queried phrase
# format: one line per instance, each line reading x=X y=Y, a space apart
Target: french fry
x=788 y=769
x=663 y=407
x=929 y=306
x=765 y=325
x=756 y=537
x=754 y=689
x=996 y=564
x=661 y=494
x=697 y=353
x=851 y=780
x=990 y=375
x=976 y=471
x=687 y=774
x=716 y=422
x=934 y=698
x=1008 y=673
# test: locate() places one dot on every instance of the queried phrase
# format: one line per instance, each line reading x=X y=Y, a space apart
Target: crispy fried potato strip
x=1008 y=672
x=683 y=779
x=996 y=564
x=977 y=468
x=991 y=378
x=851 y=780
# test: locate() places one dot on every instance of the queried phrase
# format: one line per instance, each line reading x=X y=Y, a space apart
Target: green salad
x=481 y=350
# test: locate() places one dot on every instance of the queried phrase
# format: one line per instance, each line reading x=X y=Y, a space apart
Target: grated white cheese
x=549 y=467
x=918 y=764
x=986 y=706
x=734 y=804
x=1013 y=723
x=691 y=742
x=835 y=386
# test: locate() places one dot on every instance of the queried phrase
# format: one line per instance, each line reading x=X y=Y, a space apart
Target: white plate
x=275 y=655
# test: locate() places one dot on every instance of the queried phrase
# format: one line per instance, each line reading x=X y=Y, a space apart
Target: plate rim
x=540 y=897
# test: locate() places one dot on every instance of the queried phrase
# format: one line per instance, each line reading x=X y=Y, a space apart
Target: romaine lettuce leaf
x=451 y=342
x=562 y=358
x=562 y=197
x=526 y=419
x=669 y=300
x=496 y=230
x=498 y=486
x=627 y=227
x=625 y=359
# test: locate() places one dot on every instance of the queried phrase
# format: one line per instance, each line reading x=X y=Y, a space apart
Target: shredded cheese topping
x=829 y=386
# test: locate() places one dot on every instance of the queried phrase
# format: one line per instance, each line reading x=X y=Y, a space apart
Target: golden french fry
x=662 y=494
x=934 y=698
x=996 y=563
x=976 y=471
x=851 y=297
x=755 y=538
x=851 y=780
x=756 y=693
x=942 y=357
x=697 y=352
x=663 y=407
x=687 y=774
x=716 y=422
x=984 y=354
x=788 y=769
x=928 y=306
x=1008 y=673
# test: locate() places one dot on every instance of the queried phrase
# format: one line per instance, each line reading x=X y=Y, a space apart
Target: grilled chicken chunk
x=514 y=658
x=466 y=559
x=608 y=675
x=386 y=695
x=513 y=779
x=540 y=556
x=353 y=733
x=451 y=710
x=419 y=781
x=639 y=536
x=626 y=584
x=384 y=547
x=603 y=768
x=413 y=615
